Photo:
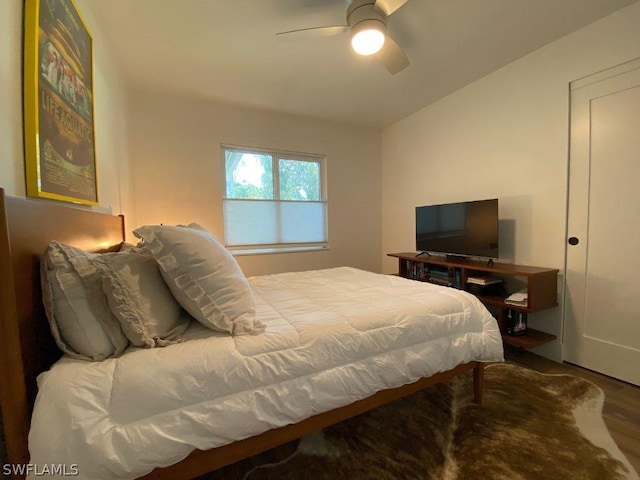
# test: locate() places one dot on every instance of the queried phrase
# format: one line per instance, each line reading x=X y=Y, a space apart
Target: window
x=274 y=201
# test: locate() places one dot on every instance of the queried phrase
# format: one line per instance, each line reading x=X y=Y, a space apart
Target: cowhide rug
x=530 y=426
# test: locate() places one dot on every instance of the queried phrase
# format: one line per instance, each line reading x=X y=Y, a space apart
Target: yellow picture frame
x=60 y=154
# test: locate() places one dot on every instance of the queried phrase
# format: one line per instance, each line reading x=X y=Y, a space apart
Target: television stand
x=542 y=285
x=423 y=253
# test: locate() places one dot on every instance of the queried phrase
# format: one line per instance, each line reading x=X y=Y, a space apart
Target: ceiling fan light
x=367 y=38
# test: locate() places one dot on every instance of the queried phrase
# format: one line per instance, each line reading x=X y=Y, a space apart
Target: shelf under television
x=541 y=288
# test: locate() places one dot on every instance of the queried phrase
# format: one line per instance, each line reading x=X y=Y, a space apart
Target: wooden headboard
x=27 y=347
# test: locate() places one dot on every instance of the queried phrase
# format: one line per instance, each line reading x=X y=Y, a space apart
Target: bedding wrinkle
x=329 y=336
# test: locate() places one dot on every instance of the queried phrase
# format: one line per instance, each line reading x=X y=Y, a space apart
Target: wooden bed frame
x=26 y=227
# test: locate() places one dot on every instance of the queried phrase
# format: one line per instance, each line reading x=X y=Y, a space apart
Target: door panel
x=602 y=303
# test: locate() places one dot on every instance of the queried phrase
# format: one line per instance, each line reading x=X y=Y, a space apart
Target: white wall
x=177 y=167
x=11 y=149
x=504 y=136
x=110 y=119
x=111 y=124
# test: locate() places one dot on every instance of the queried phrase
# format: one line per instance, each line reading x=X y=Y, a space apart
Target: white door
x=602 y=303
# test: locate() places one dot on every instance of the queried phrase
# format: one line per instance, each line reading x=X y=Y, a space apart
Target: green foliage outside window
x=250 y=176
x=299 y=180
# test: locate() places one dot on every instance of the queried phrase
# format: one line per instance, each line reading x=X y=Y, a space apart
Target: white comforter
x=333 y=337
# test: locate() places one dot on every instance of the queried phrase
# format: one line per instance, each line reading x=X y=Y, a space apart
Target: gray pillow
x=203 y=276
x=79 y=317
x=140 y=299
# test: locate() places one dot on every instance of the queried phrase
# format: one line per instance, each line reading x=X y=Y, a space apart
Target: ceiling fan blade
x=388 y=6
x=392 y=56
x=314 y=32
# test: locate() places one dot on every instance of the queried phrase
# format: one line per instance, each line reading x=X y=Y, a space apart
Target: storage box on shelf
x=541 y=286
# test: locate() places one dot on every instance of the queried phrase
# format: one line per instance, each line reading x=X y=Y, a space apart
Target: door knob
x=573 y=240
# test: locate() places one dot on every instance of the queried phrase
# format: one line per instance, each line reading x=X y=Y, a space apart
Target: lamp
x=367 y=37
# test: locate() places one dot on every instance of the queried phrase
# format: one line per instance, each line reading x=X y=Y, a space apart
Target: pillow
x=79 y=316
x=140 y=299
x=203 y=277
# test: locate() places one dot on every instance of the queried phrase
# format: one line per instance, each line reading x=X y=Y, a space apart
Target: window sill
x=269 y=251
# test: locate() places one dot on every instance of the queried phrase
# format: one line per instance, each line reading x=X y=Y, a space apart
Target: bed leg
x=478 y=383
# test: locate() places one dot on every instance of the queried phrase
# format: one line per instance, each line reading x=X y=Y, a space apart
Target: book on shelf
x=491 y=289
x=442 y=276
x=416 y=270
x=484 y=280
x=438 y=273
x=441 y=281
x=457 y=278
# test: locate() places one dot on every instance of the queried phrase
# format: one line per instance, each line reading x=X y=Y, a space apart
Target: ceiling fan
x=367 y=23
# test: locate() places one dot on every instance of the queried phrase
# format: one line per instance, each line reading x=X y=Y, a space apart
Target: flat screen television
x=465 y=229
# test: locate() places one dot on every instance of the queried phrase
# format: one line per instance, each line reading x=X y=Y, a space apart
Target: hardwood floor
x=621 y=411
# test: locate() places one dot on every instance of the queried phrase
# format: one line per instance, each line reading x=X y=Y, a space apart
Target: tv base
x=462 y=258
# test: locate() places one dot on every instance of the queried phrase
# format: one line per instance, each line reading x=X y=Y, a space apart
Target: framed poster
x=60 y=156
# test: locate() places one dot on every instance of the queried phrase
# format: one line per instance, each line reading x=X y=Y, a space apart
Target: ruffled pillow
x=140 y=299
x=80 y=319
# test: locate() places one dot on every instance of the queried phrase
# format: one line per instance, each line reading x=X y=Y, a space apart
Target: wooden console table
x=541 y=286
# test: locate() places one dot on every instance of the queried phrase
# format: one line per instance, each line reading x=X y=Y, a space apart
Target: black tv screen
x=463 y=229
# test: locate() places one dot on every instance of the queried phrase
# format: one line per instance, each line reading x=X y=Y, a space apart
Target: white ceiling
x=226 y=50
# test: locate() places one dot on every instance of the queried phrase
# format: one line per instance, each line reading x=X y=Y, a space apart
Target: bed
x=371 y=361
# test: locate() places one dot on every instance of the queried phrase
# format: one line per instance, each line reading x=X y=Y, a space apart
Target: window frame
x=276 y=156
